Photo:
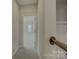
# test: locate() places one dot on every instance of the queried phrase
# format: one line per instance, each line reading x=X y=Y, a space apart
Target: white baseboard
x=14 y=52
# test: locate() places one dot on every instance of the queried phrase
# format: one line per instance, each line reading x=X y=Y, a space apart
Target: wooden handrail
x=53 y=40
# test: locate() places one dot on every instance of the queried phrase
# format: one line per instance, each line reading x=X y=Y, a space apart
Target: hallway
x=34 y=22
x=23 y=53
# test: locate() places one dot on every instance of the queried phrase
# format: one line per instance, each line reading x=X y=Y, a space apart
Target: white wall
x=28 y=10
x=15 y=27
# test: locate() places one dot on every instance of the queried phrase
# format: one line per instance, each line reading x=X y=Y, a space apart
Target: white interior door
x=30 y=36
x=28 y=41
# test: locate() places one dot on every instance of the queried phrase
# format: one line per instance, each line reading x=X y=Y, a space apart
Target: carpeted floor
x=23 y=53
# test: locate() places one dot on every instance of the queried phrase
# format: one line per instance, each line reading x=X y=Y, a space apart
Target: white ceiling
x=26 y=2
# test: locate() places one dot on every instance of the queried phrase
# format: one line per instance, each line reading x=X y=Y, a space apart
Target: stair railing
x=53 y=41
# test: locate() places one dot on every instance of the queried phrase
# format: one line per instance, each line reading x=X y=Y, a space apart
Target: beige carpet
x=23 y=53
